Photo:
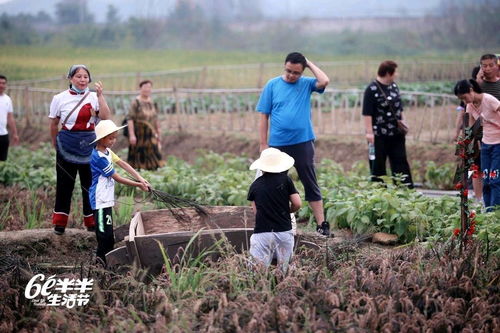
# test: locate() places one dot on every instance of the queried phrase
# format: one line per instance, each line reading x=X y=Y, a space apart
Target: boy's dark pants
x=104 y=231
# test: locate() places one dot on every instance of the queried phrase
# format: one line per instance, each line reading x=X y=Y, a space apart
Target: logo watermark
x=58 y=292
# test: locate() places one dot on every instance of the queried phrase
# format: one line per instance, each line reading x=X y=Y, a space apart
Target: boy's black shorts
x=104 y=231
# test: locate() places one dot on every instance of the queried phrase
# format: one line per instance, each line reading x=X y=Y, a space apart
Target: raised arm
x=104 y=112
x=322 y=78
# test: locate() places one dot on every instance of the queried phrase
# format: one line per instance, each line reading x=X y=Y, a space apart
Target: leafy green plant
x=29 y=169
x=388 y=208
x=440 y=177
x=350 y=199
x=488 y=231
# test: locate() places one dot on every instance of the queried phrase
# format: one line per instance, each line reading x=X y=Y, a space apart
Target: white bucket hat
x=273 y=160
x=105 y=128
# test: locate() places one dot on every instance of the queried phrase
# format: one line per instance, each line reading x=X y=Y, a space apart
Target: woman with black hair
x=484 y=106
x=477 y=183
x=77 y=110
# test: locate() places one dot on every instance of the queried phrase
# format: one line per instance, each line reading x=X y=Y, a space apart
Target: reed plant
x=32 y=211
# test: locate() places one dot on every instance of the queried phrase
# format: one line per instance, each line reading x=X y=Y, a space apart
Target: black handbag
x=125 y=129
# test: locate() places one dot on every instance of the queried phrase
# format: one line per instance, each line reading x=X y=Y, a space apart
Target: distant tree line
x=461 y=25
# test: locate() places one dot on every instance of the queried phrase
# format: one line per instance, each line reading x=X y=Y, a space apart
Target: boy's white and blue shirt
x=102 y=190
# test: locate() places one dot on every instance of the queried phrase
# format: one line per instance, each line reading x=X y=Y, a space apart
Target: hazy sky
x=270 y=8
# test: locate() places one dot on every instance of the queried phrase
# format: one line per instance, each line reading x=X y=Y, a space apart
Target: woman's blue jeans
x=490 y=163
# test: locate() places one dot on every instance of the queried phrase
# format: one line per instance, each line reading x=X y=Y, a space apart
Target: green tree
x=17 y=30
x=112 y=17
x=467 y=24
x=70 y=12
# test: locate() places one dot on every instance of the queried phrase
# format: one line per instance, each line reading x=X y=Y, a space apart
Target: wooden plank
x=175 y=243
x=118 y=257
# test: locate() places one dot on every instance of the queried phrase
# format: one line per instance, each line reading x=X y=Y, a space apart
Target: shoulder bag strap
x=76 y=106
x=385 y=96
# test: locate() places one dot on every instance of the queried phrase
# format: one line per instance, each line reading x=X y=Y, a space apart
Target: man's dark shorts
x=303 y=154
x=4 y=147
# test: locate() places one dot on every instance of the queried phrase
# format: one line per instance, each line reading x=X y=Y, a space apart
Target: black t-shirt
x=385 y=112
x=271 y=193
x=492 y=88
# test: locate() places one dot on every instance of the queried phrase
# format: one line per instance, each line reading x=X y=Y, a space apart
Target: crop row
x=351 y=201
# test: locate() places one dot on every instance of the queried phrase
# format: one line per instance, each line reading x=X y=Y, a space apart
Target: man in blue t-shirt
x=285 y=107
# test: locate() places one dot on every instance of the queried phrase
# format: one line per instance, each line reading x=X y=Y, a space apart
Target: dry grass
x=335 y=288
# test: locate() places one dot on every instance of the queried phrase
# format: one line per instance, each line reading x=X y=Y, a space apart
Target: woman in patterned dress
x=144 y=131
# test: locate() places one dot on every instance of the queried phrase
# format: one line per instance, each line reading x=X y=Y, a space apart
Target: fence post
x=260 y=81
x=26 y=108
x=63 y=83
x=138 y=79
x=177 y=108
x=200 y=84
x=367 y=69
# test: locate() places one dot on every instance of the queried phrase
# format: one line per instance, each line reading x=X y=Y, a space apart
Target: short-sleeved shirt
x=289 y=108
x=5 y=109
x=271 y=194
x=384 y=110
x=488 y=111
x=102 y=190
x=84 y=118
x=492 y=88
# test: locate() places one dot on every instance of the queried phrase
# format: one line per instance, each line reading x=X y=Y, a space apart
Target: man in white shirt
x=6 y=120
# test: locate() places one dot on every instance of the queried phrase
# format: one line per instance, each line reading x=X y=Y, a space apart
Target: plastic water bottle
x=371 y=151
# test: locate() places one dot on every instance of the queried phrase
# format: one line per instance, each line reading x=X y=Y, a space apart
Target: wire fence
x=341 y=74
x=431 y=117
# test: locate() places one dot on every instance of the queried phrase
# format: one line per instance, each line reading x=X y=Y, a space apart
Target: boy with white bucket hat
x=101 y=193
x=274 y=197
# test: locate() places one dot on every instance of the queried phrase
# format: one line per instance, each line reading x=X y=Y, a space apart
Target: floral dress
x=145 y=154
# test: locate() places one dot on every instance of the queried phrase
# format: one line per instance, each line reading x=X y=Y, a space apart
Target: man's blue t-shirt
x=289 y=107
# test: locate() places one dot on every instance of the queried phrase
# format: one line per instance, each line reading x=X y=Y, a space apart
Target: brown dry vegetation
x=336 y=288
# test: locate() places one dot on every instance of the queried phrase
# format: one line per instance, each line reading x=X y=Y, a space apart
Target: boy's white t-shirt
x=102 y=190
x=5 y=108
